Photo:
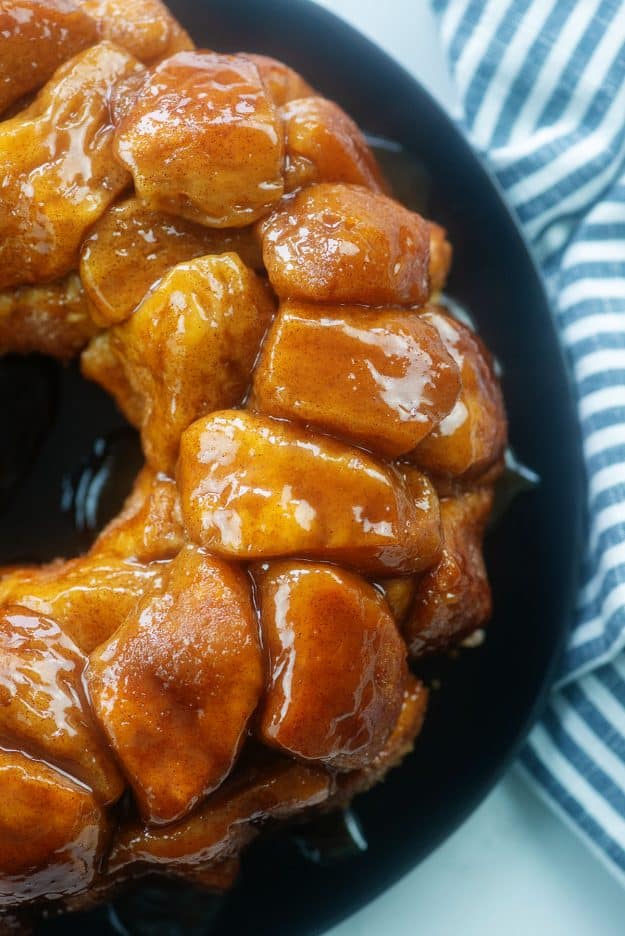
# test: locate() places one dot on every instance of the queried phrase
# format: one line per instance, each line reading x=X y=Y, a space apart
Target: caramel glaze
x=321 y=441
x=132 y=247
x=221 y=166
x=43 y=705
x=383 y=381
x=53 y=832
x=273 y=788
x=472 y=437
x=52 y=318
x=58 y=169
x=89 y=597
x=177 y=683
x=37 y=37
x=282 y=83
x=323 y=144
x=185 y=352
x=452 y=599
x=346 y=244
x=145 y=28
x=253 y=487
x=325 y=627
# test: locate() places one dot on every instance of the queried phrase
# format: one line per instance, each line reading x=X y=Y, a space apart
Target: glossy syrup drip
x=332 y=838
x=94 y=493
x=410 y=182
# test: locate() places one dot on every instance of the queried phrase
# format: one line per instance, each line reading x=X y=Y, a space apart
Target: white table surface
x=513 y=868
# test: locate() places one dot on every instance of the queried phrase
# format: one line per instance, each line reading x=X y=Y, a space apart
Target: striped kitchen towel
x=542 y=84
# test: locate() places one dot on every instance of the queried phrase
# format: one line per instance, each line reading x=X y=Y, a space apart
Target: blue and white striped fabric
x=542 y=84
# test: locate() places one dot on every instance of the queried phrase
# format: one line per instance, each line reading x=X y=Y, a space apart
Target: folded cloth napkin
x=542 y=84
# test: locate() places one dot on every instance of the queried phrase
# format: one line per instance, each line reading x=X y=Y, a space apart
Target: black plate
x=490 y=699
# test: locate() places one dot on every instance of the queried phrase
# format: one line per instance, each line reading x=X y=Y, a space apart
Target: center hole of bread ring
x=67 y=461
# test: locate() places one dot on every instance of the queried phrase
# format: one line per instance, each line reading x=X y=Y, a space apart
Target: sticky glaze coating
x=145 y=28
x=381 y=379
x=132 y=247
x=321 y=436
x=220 y=165
x=325 y=628
x=89 y=597
x=472 y=437
x=37 y=37
x=42 y=685
x=189 y=349
x=177 y=683
x=252 y=487
x=283 y=84
x=52 y=830
x=343 y=243
x=52 y=318
x=324 y=145
x=57 y=167
x=452 y=599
